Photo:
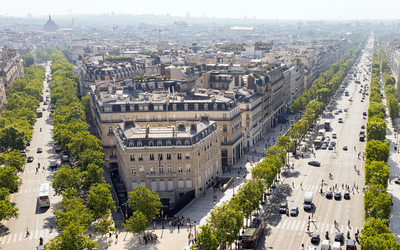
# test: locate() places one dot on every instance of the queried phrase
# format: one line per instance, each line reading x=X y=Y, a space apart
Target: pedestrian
x=293 y=184
x=43 y=168
x=116 y=236
x=190 y=226
x=178 y=226
x=348 y=223
x=189 y=239
x=301 y=185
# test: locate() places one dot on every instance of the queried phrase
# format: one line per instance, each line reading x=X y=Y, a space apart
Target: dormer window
x=187 y=143
x=130 y=144
x=186 y=106
x=174 y=107
x=151 y=144
x=215 y=106
x=139 y=144
x=223 y=106
x=206 y=106
x=168 y=143
x=159 y=143
x=196 y=106
x=108 y=109
x=123 y=108
x=178 y=143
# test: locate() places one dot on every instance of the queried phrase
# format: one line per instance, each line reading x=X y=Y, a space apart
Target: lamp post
x=162 y=218
x=195 y=234
x=233 y=188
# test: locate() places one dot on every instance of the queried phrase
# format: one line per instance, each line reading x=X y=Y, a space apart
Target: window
x=196 y=106
x=162 y=185
x=159 y=143
x=123 y=108
x=178 y=143
x=186 y=106
x=247 y=116
x=130 y=144
x=147 y=117
x=168 y=143
x=225 y=128
x=170 y=184
x=187 y=143
x=215 y=106
x=110 y=130
x=169 y=169
x=107 y=109
x=134 y=184
x=168 y=156
x=141 y=170
x=223 y=106
x=140 y=108
x=225 y=139
x=140 y=157
x=174 y=107
x=132 y=107
x=143 y=182
x=132 y=157
x=152 y=169
x=159 y=117
x=151 y=144
x=186 y=116
x=187 y=168
x=179 y=156
x=224 y=115
x=146 y=108
x=161 y=169
x=180 y=169
x=160 y=157
x=196 y=115
x=180 y=183
x=133 y=170
x=154 y=185
x=188 y=183
x=161 y=107
x=155 y=108
x=139 y=144
x=187 y=156
x=108 y=117
x=206 y=106
x=151 y=157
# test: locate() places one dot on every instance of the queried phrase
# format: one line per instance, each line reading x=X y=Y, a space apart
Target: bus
x=253 y=234
x=44 y=199
x=39 y=113
x=318 y=141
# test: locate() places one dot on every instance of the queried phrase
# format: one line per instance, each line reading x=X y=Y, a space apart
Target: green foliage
x=11 y=138
x=377 y=172
x=376 y=110
x=29 y=60
x=42 y=55
x=376 y=129
x=377 y=203
x=104 y=227
x=205 y=239
x=100 y=199
x=9 y=179
x=146 y=201
x=7 y=210
x=136 y=223
x=225 y=223
x=13 y=159
x=66 y=178
x=377 y=150
x=73 y=237
x=92 y=175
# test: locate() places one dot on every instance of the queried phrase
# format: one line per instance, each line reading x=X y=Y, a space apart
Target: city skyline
x=291 y=10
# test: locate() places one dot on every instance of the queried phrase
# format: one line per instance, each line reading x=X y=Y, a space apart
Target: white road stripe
x=15 y=237
x=282 y=225
x=303 y=225
x=36 y=234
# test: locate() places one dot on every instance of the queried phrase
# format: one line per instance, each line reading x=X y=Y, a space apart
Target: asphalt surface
x=37 y=220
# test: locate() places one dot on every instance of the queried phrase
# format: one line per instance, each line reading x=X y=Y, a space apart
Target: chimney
x=193 y=127
x=129 y=123
x=173 y=130
x=147 y=130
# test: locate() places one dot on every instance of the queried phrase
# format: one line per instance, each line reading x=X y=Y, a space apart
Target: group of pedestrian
x=179 y=222
x=149 y=237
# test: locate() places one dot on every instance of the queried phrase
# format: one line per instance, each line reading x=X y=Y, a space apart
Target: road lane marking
x=36 y=234
x=15 y=237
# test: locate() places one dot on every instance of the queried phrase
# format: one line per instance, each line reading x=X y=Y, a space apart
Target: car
x=28 y=143
x=336 y=112
x=338 y=195
x=330 y=147
x=350 y=245
x=367 y=93
x=283 y=207
x=346 y=195
x=39 y=150
x=333 y=143
x=30 y=159
x=345 y=147
x=315 y=238
x=294 y=211
x=362 y=100
x=324 y=145
x=47 y=90
x=340 y=110
x=23 y=152
x=328 y=194
x=314 y=163
x=327 y=138
x=364 y=113
x=45 y=103
x=362 y=126
x=334 y=135
x=339 y=236
x=345 y=110
x=397 y=180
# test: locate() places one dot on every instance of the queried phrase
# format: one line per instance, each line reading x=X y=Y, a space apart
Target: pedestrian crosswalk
x=292 y=224
x=33 y=235
x=329 y=153
x=317 y=189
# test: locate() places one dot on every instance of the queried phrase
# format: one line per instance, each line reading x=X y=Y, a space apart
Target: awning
x=113 y=161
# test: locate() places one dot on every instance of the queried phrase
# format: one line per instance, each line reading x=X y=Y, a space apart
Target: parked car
x=328 y=194
x=345 y=147
x=314 y=163
x=346 y=195
x=362 y=126
x=23 y=152
x=338 y=195
x=30 y=159
x=39 y=150
x=334 y=135
x=283 y=207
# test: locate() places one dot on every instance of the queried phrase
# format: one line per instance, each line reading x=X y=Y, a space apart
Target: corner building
x=170 y=160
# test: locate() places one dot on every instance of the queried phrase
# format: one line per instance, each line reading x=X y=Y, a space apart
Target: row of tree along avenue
x=16 y=123
x=377 y=203
x=225 y=221
x=87 y=201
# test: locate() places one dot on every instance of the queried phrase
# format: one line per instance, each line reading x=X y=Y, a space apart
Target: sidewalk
x=198 y=210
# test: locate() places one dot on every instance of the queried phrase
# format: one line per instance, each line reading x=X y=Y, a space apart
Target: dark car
x=330 y=147
x=28 y=143
x=397 y=180
x=283 y=207
x=339 y=237
x=23 y=152
x=30 y=159
x=294 y=211
x=350 y=245
x=328 y=194
x=315 y=238
x=364 y=113
x=346 y=195
x=314 y=163
x=338 y=195
x=362 y=126
x=39 y=150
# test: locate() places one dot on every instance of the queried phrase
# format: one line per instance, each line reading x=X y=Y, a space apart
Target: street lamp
x=233 y=188
x=162 y=218
x=195 y=235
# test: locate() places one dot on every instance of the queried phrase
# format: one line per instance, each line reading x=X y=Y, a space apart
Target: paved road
x=36 y=219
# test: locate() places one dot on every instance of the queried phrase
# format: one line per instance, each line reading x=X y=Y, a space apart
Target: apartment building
x=111 y=104
x=170 y=160
x=11 y=69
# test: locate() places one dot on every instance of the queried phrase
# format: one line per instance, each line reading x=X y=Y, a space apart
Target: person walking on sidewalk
x=27 y=232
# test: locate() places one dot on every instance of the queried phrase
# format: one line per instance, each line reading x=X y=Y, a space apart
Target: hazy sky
x=261 y=9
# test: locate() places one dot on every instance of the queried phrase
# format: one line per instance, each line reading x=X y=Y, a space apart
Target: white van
x=336 y=246
x=325 y=245
x=340 y=119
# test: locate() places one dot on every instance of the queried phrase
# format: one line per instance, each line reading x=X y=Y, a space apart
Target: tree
x=146 y=201
x=394 y=107
x=13 y=159
x=377 y=150
x=376 y=129
x=9 y=179
x=100 y=200
x=376 y=110
x=12 y=138
x=205 y=239
x=66 y=178
x=225 y=223
x=73 y=237
x=93 y=175
x=83 y=141
x=137 y=223
x=377 y=203
x=29 y=60
x=104 y=227
x=90 y=157
x=7 y=210
x=377 y=172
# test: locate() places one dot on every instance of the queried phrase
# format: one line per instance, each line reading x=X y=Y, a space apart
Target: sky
x=260 y=9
